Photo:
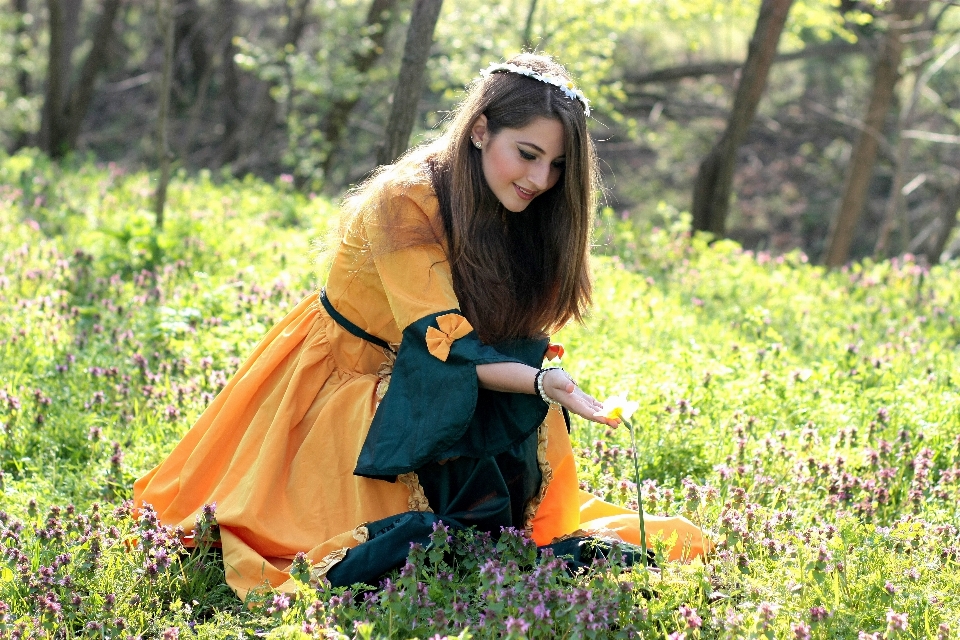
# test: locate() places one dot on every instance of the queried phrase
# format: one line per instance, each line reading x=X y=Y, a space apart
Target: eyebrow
x=537 y=148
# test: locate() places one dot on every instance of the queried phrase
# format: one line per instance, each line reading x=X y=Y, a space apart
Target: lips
x=523 y=194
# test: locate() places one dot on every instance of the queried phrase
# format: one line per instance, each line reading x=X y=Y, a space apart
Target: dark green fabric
x=390 y=538
x=386 y=549
x=581 y=552
x=342 y=320
x=434 y=409
x=487 y=493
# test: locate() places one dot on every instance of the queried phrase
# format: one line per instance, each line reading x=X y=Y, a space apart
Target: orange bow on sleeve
x=452 y=327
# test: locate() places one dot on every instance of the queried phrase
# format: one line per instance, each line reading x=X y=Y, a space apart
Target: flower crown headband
x=563 y=84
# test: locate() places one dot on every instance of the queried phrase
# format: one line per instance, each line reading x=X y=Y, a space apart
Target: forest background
x=304 y=90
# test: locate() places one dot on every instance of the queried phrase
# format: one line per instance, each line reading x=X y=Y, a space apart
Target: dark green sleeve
x=434 y=409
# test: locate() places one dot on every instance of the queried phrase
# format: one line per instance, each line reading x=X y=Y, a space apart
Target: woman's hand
x=515 y=377
x=560 y=387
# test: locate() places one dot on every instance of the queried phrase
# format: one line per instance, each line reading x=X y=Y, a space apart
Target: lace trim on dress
x=418 y=499
x=386 y=370
x=546 y=471
x=361 y=534
x=318 y=572
x=600 y=533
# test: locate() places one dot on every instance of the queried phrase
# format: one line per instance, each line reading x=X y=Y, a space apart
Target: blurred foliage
x=650 y=136
x=18 y=55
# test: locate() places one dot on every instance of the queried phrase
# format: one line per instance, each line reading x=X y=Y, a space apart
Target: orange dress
x=280 y=449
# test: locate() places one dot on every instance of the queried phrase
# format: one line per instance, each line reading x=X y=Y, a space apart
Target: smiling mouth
x=523 y=193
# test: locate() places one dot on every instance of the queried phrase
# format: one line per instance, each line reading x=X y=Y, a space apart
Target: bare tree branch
x=929 y=136
x=726 y=68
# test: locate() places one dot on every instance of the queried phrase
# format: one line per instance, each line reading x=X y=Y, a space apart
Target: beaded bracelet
x=538 y=385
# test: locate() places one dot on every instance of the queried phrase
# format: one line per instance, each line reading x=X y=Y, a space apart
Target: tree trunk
x=168 y=24
x=711 y=192
x=896 y=197
x=192 y=35
x=221 y=42
x=263 y=116
x=528 y=27
x=81 y=94
x=65 y=106
x=296 y=24
x=72 y=9
x=297 y=20
x=379 y=19
x=406 y=95
x=255 y=123
x=232 y=110
x=23 y=78
x=58 y=76
x=885 y=77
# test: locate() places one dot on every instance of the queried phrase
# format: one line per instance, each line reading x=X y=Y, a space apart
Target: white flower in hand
x=617 y=408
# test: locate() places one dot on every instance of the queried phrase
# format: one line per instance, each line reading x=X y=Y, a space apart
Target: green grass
x=808 y=420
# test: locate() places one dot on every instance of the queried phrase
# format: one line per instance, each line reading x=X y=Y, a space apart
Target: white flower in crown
x=563 y=84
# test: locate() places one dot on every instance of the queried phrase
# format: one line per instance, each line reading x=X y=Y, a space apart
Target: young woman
x=410 y=389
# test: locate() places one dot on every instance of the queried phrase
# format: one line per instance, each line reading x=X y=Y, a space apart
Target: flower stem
x=636 y=478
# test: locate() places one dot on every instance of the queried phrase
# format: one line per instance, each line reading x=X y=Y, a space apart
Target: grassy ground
x=810 y=421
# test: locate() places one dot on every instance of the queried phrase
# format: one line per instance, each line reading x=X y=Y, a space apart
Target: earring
x=477 y=144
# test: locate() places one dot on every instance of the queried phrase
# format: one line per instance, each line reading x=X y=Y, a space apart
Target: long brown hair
x=516 y=275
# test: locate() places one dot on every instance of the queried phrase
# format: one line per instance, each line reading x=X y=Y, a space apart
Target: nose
x=539 y=175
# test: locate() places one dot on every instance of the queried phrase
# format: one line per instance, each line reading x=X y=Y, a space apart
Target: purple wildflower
x=818 y=614
x=516 y=625
x=896 y=623
x=281 y=602
x=690 y=615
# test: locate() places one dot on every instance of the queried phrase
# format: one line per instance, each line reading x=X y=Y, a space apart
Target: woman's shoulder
x=403 y=211
x=411 y=190
x=407 y=200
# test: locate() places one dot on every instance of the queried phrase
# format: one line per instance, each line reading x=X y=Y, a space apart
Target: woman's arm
x=514 y=377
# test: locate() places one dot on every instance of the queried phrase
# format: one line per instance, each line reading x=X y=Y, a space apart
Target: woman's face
x=520 y=164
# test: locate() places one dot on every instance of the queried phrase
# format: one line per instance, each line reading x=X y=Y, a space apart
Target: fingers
x=582 y=406
x=577 y=400
x=590 y=401
x=587 y=407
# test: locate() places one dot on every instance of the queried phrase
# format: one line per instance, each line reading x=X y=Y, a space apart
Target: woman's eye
x=559 y=165
x=526 y=155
